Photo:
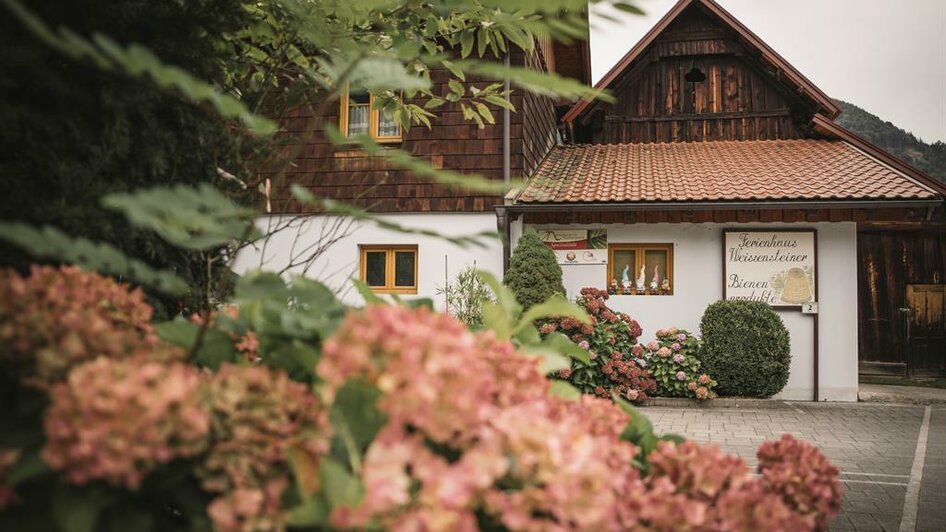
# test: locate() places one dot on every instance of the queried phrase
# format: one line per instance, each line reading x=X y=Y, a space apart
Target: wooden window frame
x=389 y=263
x=374 y=120
x=640 y=252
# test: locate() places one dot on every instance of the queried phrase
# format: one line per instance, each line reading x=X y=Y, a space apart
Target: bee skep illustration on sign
x=577 y=246
x=774 y=267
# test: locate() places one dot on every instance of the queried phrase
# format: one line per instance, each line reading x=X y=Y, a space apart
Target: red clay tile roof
x=716 y=171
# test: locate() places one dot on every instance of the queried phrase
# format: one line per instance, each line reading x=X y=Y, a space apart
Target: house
x=717 y=173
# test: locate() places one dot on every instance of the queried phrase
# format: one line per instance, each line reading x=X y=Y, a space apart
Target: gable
x=738 y=88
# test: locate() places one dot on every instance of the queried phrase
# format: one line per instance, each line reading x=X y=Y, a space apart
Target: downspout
x=506 y=150
x=502 y=217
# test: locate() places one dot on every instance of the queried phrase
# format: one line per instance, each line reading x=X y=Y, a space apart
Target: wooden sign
x=577 y=246
x=775 y=267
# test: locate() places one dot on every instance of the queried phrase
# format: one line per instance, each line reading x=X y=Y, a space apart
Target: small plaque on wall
x=577 y=246
x=775 y=267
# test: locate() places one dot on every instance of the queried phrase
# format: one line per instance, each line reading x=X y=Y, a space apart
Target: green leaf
x=216 y=347
x=52 y=243
x=28 y=467
x=499 y=101
x=564 y=390
x=552 y=361
x=466 y=43
x=340 y=487
x=77 y=509
x=311 y=513
x=195 y=219
x=628 y=8
x=356 y=408
x=456 y=87
x=539 y=83
x=433 y=103
x=367 y=293
x=554 y=306
x=563 y=344
x=639 y=430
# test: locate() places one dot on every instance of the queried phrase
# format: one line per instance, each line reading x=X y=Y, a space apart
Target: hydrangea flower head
x=679 y=358
x=58 y=318
x=115 y=420
x=681 y=376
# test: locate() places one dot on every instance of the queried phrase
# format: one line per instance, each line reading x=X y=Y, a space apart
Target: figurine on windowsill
x=665 y=286
x=613 y=288
x=640 y=280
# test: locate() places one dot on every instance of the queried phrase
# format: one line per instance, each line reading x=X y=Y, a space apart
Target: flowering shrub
x=803 y=477
x=258 y=415
x=58 y=318
x=246 y=343
x=417 y=423
x=611 y=340
x=709 y=490
x=115 y=420
x=472 y=431
x=672 y=360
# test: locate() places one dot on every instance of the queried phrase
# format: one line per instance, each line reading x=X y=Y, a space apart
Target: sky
x=885 y=56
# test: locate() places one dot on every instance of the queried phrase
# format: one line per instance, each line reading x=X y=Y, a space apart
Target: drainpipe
x=502 y=217
x=506 y=150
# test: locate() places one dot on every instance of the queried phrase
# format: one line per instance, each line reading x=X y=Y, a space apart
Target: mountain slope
x=931 y=158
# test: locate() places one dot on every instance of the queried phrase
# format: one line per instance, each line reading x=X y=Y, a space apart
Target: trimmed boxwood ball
x=534 y=274
x=745 y=348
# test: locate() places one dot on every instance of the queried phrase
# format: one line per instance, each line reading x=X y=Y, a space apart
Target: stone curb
x=719 y=402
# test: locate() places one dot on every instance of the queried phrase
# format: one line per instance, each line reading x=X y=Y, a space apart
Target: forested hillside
x=930 y=158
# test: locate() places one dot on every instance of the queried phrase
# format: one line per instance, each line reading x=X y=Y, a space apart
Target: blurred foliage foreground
x=289 y=410
x=275 y=406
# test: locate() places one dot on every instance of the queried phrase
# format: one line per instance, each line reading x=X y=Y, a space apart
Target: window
x=625 y=262
x=358 y=116
x=390 y=269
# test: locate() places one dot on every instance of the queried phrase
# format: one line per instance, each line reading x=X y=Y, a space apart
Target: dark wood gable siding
x=537 y=115
x=451 y=143
x=738 y=100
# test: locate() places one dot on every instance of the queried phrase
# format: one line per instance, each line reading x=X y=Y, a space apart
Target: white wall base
x=698 y=282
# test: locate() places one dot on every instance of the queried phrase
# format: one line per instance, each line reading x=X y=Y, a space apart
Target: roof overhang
x=719 y=205
x=827 y=127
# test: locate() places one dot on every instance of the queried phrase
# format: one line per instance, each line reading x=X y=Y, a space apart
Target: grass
x=930 y=382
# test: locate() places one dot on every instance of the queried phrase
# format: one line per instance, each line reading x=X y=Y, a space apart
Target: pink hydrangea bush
x=258 y=416
x=611 y=340
x=515 y=457
x=57 y=318
x=698 y=487
x=473 y=433
x=469 y=436
x=116 y=420
x=803 y=477
x=672 y=359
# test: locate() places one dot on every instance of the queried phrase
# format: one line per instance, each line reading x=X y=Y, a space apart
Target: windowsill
x=398 y=291
x=645 y=294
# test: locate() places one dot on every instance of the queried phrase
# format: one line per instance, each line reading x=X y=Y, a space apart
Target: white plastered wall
x=698 y=273
x=437 y=259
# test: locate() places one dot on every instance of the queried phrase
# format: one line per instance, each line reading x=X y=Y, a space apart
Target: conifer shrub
x=534 y=274
x=745 y=348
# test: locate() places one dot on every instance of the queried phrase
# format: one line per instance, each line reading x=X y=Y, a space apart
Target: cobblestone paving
x=873 y=446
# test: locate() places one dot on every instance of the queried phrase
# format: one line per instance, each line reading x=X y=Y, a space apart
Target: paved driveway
x=888 y=485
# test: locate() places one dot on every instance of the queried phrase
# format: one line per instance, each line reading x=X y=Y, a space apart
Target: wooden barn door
x=926 y=328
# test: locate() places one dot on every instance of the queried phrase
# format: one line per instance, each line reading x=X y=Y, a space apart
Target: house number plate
x=809 y=308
